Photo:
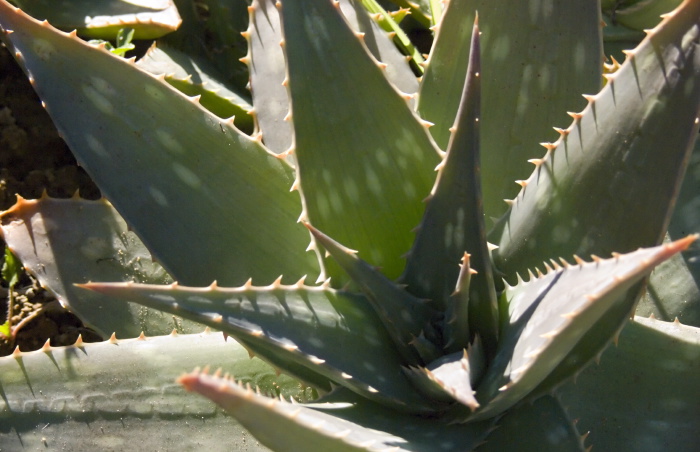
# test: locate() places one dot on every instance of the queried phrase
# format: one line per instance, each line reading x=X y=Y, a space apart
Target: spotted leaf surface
x=168 y=163
x=363 y=171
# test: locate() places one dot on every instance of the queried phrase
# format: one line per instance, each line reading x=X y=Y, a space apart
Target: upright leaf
x=605 y=185
x=528 y=83
x=357 y=165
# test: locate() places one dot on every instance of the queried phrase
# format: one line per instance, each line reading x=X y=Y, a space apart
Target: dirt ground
x=33 y=158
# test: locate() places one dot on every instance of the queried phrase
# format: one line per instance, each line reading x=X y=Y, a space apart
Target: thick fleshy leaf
x=150 y=19
x=674 y=286
x=528 y=83
x=363 y=171
x=550 y=314
x=645 y=395
x=673 y=291
x=453 y=223
x=455 y=327
x=171 y=168
x=377 y=41
x=268 y=71
x=404 y=316
x=542 y=425
x=67 y=241
x=330 y=334
x=211 y=30
x=342 y=423
x=640 y=14
x=119 y=393
x=389 y=21
x=448 y=379
x=196 y=77
x=563 y=208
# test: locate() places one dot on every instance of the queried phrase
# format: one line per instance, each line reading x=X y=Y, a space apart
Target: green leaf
x=356 y=165
x=550 y=314
x=103 y=19
x=123 y=392
x=68 y=241
x=674 y=286
x=339 y=423
x=591 y=194
x=404 y=316
x=453 y=223
x=644 y=394
x=209 y=201
x=387 y=22
x=211 y=30
x=195 y=76
x=528 y=84
x=642 y=14
x=268 y=71
x=323 y=332
x=380 y=45
x=542 y=425
x=11 y=267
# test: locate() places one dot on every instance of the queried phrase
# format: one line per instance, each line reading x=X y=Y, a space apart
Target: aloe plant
x=350 y=234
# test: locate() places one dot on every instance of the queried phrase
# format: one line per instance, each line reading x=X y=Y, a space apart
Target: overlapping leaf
x=363 y=170
x=167 y=164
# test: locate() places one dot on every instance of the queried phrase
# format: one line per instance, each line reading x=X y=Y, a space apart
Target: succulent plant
x=444 y=330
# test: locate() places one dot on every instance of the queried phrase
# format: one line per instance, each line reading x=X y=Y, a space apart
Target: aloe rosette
x=351 y=233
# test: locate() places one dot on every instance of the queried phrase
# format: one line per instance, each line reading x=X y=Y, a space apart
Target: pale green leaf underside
x=125 y=393
x=103 y=18
x=364 y=160
x=528 y=84
x=341 y=421
x=565 y=209
x=171 y=168
x=327 y=333
x=67 y=241
x=644 y=395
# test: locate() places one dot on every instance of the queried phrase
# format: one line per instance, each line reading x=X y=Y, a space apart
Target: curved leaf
x=550 y=314
x=208 y=201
